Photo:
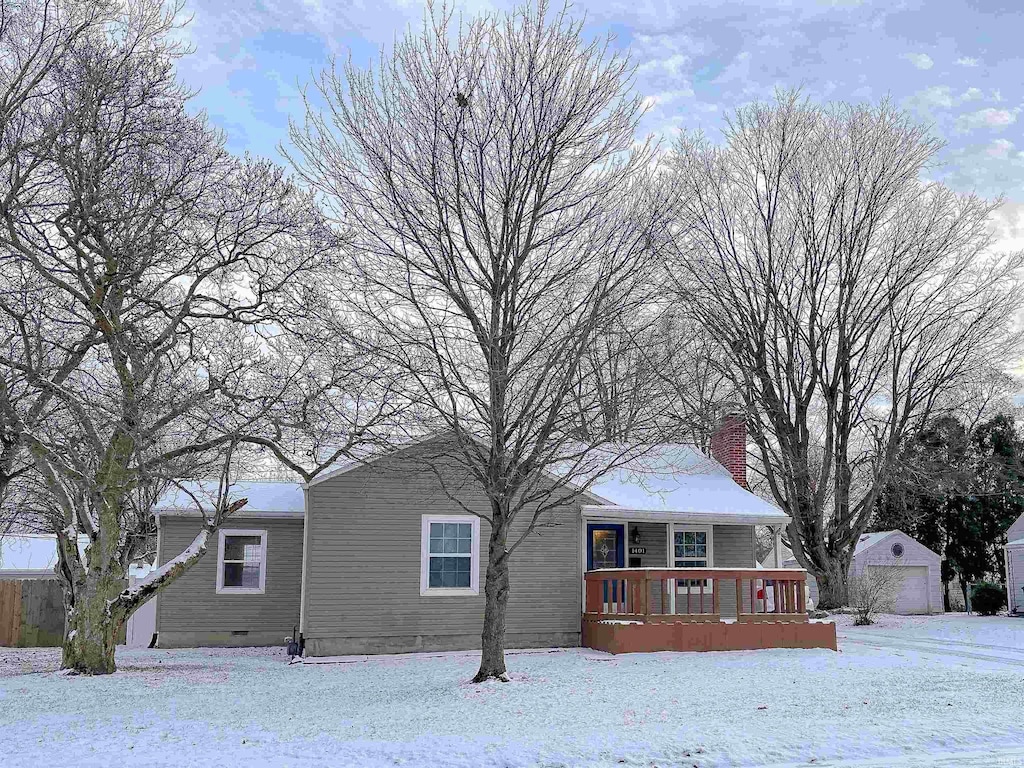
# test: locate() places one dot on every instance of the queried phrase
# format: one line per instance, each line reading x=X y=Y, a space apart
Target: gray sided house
x=1014 y=550
x=245 y=590
x=381 y=559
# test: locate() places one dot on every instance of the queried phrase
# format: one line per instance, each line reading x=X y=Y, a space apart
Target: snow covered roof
x=677 y=482
x=273 y=497
x=1017 y=543
x=869 y=540
x=669 y=482
x=28 y=552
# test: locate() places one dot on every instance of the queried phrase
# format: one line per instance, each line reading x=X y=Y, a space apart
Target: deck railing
x=669 y=595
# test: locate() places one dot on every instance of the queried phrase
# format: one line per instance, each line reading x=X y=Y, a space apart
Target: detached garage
x=920 y=584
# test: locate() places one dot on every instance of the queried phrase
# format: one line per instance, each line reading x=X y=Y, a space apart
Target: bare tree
x=36 y=37
x=873 y=590
x=143 y=269
x=656 y=377
x=502 y=218
x=343 y=402
x=852 y=298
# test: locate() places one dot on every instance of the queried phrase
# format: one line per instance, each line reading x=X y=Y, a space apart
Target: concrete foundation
x=348 y=646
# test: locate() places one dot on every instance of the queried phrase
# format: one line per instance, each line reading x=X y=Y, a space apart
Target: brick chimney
x=729 y=445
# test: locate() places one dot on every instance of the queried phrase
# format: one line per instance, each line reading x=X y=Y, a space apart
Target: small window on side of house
x=241 y=562
x=450 y=555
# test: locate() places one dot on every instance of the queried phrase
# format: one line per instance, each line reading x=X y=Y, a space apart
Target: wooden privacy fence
x=31 y=612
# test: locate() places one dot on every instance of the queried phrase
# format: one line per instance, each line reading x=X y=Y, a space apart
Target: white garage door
x=912 y=591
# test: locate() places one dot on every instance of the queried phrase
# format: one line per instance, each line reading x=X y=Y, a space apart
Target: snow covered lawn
x=956 y=700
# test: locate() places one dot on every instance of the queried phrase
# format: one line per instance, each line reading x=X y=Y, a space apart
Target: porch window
x=242 y=562
x=450 y=555
x=691 y=549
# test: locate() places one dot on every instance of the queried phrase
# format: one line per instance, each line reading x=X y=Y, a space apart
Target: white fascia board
x=647 y=515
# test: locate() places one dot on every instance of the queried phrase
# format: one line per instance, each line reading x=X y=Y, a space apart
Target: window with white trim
x=691 y=549
x=450 y=555
x=242 y=562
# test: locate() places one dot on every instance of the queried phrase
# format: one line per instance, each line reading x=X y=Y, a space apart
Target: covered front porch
x=670 y=560
x=679 y=581
x=684 y=609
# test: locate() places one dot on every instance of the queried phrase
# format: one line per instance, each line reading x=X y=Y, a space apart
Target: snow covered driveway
x=871 y=705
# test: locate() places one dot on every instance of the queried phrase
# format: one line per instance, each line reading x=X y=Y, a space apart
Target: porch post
x=776 y=541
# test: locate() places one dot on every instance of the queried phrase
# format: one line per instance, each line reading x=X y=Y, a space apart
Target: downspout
x=305 y=559
x=155 y=640
x=1011 y=595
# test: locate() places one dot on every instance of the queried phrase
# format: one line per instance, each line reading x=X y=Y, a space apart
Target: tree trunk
x=90 y=627
x=492 y=640
x=833 y=585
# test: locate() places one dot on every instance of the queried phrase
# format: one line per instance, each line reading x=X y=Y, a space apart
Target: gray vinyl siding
x=1016 y=531
x=363 y=564
x=1015 y=572
x=733 y=547
x=915 y=554
x=654 y=538
x=189 y=610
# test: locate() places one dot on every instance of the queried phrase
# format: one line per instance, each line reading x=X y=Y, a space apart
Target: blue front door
x=606 y=545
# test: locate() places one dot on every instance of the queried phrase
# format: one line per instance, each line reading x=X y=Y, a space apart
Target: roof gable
x=879 y=539
x=351 y=465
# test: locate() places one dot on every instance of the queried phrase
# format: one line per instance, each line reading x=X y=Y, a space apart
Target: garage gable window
x=450 y=555
x=242 y=562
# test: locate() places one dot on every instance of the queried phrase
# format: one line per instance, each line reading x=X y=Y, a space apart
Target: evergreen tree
x=957 y=493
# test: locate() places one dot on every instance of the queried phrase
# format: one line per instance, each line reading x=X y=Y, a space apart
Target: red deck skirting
x=713 y=636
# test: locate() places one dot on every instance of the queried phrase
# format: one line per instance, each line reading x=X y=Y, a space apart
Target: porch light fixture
x=634 y=536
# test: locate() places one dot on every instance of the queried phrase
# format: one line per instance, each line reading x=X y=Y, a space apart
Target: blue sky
x=955 y=64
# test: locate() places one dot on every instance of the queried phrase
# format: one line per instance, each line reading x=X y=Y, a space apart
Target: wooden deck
x=681 y=609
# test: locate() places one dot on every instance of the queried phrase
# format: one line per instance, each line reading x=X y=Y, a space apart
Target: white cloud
x=1000 y=148
x=967 y=61
x=936 y=97
x=991 y=169
x=674 y=65
x=667 y=97
x=995 y=119
x=1007 y=226
x=919 y=60
x=932 y=97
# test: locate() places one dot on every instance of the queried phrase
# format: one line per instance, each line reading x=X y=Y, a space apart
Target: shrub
x=988 y=598
x=872 y=591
